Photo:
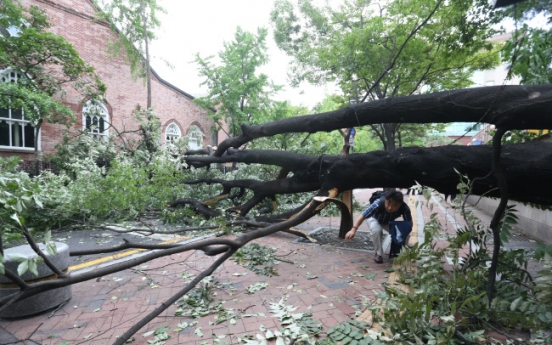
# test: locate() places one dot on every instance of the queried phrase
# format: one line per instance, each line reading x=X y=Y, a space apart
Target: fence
x=34 y=168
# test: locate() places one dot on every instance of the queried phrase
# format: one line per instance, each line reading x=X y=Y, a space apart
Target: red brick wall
x=73 y=20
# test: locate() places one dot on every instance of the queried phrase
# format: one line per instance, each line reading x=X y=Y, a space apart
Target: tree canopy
x=375 y=50
x=239 y=92
x=392 y=49
x=529 y=50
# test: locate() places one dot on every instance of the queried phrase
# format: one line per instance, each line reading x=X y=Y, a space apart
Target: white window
x=95 y=119
x=195 y=138
x=172 y=133
x=16 y=131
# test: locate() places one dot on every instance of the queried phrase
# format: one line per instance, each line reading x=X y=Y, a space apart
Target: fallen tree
x=522 y=171
x=527 y=167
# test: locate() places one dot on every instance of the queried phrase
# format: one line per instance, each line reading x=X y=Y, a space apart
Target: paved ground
x=334 y=284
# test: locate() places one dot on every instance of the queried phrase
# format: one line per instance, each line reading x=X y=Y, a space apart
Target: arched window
x=172 y=133
x=95 y=119
x=195 y=138
x=16 y=130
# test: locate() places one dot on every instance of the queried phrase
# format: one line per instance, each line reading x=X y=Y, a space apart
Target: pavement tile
x=344 y=307
x=239 y=327
x=249 y=320
x=329 y=322
x=254 y=326
x=5 y=337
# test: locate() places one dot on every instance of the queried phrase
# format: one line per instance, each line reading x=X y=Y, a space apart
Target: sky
x=191 y=27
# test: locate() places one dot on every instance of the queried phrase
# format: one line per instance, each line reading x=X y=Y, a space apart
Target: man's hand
x=350 y=234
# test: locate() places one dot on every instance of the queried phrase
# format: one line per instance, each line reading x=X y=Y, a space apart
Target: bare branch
x=40 y=253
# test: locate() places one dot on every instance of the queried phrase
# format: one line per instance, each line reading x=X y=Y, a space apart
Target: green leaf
x=33 y=266
x=38 y=202
x=17 y=257
x=22 y=268
x=515 y=303
x=51 y=248
x=161 y=330
x=16 y=218
x=47 y=236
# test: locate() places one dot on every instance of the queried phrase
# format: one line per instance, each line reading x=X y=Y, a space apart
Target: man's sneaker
x=378 y=259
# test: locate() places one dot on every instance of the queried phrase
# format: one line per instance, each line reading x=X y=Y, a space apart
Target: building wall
x=464 y=140
x=496 y=76
x=73 y=19
x=531 y=221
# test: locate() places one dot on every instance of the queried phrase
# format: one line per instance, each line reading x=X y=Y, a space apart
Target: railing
x=35 y=168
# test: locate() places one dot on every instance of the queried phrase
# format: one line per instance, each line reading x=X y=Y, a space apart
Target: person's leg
x=377 y=234
x=377 y=231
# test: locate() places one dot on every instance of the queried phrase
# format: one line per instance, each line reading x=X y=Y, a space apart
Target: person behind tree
x=378 y=215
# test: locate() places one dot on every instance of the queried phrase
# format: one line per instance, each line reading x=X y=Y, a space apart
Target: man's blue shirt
x=377 y=210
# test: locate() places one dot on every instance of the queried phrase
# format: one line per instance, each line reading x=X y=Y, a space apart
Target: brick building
x=73 y=19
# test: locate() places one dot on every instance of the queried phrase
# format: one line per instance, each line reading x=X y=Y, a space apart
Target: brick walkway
x=102 y=309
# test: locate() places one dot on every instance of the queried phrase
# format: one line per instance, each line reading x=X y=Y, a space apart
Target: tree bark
x=508 y=107
x=527 y=168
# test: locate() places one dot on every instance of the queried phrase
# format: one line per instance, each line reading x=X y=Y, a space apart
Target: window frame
x=177 y=134
x=194 y=132
x=103 y=113
x=12 y=75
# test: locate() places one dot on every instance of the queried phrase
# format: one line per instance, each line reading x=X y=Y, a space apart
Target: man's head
x=393 y=200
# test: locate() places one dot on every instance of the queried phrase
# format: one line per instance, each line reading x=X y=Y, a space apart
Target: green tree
x=240 y=94
x=529 y=50
x=134 y=21
x=375 y=51
x=39 y=65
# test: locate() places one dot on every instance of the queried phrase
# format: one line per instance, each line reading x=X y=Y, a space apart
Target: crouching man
x=378 y=215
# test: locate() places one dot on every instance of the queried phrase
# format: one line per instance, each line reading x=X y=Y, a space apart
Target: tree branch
x=503 y=186
x=412 y=33
x=40 y=253
x=512 y=107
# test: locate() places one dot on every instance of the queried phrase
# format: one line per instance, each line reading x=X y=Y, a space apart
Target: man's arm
x=356 y=224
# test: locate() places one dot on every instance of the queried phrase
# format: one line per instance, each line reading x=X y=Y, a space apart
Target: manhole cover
x=330 y=236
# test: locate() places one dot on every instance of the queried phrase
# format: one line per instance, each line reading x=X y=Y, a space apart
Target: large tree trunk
x=528 y=170
x=508 y=107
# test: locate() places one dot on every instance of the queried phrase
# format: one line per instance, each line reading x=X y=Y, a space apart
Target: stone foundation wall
x=533 y=222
